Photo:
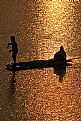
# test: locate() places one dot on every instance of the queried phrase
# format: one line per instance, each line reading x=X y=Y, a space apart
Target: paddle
x=76 y=58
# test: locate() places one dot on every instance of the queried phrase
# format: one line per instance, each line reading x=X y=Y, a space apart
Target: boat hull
x=38 y=64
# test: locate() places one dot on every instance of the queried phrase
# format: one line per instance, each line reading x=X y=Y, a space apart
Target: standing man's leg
x=14 y=58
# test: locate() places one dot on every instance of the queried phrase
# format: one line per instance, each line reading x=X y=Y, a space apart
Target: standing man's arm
x=9 y=44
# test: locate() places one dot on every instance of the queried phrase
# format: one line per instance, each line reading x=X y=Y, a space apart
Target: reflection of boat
x=37 y=64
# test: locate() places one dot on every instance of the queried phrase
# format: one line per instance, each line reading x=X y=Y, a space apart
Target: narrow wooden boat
x=38 y=64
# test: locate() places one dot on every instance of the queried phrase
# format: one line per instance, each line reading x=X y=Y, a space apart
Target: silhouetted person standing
x=14 y=48
x=60 y=55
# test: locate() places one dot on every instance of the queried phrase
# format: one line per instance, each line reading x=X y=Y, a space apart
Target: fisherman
x=60 y=55
x=14 y=48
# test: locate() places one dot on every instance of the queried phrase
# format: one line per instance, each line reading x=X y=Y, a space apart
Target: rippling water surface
x=40 y=28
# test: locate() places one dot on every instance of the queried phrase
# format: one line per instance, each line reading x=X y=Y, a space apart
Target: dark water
x=40 y=28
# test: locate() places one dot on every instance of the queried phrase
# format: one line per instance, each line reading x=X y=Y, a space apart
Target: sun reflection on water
x=41 y=27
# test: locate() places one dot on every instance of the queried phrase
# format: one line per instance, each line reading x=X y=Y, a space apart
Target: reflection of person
x=14 y=48
x=60 y=55
x=60 y=71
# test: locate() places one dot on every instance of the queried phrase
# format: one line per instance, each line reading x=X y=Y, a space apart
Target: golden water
x=40 y=28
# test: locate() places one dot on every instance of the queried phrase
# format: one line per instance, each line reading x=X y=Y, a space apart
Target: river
x=40 y=28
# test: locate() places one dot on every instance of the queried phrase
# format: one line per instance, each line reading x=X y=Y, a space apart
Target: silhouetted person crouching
x=60 y=55
x=14 y=49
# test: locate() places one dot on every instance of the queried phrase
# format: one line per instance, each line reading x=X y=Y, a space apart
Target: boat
x=38 y=64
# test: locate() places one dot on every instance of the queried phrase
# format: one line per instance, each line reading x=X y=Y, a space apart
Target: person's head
x=12 y=38
x=61 y=48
